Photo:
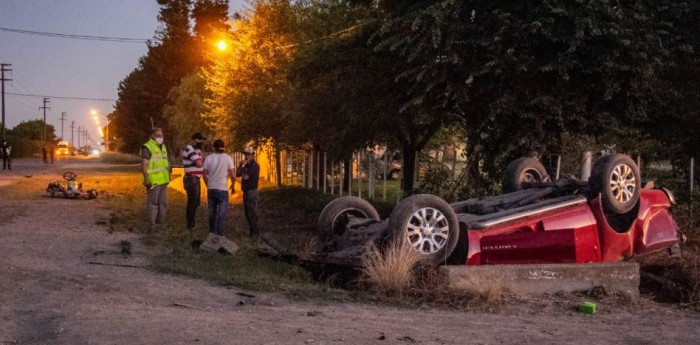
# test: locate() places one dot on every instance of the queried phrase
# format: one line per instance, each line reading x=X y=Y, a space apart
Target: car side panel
x=655 y=228
x=563 y=236
x=651 y=229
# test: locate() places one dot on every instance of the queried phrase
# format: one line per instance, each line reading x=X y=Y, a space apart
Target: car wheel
x=69 y=175
x=338 y=213
x=428 y=224
x=617 y=179
x=522 y=170
x=91 y=194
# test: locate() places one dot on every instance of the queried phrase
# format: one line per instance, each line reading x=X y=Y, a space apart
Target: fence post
x=639 y=163
x=312 y=157
x=303 y=168
x=350 y=179
x=586 y=165
x=359 y=174
x=692 y=176
x=325 y=175
x=386 y=153
x=558 y=166
x=341 y=167
x=370 y=174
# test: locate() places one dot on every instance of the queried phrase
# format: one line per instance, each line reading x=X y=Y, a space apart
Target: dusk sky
x=71 y=68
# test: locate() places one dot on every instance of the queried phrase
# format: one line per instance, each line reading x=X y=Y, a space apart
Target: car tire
x=336 y=215
x=91 y=194
x=522 y=170
x=617 y=179
x=413 y=220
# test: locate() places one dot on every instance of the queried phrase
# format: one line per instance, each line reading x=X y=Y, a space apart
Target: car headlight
x=669 y=195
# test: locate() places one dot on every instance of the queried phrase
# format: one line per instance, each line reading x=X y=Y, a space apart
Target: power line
x=78 y=37
x=63 y=97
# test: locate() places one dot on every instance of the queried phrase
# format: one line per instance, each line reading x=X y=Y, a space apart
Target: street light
x=222 y=45
x=105 y=136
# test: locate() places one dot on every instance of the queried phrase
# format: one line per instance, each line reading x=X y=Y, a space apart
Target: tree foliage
x=172 y=55
x=341 y=75
x=247 y=82
x=185 y=109
x=518 y=74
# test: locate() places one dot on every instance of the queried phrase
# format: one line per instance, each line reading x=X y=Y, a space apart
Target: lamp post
x=105 y=135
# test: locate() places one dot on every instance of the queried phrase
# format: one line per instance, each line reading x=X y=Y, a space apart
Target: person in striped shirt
x=192 y=161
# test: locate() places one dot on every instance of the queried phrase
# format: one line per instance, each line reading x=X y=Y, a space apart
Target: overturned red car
x=608 y=218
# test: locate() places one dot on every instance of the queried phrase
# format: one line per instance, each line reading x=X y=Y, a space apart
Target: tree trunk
x=347 y=170
x=408 y=168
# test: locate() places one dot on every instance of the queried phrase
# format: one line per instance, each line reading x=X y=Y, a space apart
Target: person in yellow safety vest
x=156 y=176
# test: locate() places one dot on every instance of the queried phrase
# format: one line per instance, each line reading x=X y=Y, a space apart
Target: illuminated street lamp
x=105 y=135
x=222 y=45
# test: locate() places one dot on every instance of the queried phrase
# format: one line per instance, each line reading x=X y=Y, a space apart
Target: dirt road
x=54 y=289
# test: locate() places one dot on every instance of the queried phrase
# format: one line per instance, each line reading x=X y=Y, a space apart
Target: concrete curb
x=621 y=277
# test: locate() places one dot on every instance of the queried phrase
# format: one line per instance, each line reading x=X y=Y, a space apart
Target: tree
x=34 y=130
x=518 y=74
x=26 y=137
x=248 y=82
x=368 y=105
x=185 y=108
x=172 y=55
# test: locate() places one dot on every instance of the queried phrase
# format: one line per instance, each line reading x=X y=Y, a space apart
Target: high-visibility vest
x=158 y=172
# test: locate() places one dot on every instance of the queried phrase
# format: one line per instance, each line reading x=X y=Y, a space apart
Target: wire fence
x=377 y=174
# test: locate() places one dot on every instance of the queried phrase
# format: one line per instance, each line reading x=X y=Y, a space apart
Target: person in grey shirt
x=218 y=169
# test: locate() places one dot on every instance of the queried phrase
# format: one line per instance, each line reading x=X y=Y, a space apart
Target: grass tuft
x=390 y=271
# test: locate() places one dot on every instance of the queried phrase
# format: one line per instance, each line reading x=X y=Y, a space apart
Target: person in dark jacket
x=6 y=155
x=249 y=172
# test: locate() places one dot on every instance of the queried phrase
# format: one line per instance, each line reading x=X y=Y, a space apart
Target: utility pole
x=43 y=140
x=72 y=126
x=79 y=133
x=3 y=69
x=63 y=118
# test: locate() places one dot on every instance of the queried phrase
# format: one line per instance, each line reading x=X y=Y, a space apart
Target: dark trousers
x=193 y=189
x=250 y=209
x=218 y=205
x=6 y=162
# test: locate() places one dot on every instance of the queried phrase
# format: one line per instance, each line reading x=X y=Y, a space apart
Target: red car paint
x=572 y=231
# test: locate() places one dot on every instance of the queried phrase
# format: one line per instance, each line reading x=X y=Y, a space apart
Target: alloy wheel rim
x=623 y=183
x=427 y=230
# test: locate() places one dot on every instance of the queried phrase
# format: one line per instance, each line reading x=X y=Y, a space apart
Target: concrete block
x=621 y=277
x=215 y=242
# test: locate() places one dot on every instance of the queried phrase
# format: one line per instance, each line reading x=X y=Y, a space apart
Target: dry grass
x=491 y=290
x=308 y=248
x=391 y=270
x=119 y=158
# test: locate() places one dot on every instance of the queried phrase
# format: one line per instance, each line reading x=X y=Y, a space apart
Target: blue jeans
x=218 y=204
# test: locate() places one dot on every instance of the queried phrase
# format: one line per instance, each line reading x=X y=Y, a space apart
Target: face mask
x=159 y=141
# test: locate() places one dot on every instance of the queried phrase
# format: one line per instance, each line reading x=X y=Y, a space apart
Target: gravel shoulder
x=55 y=289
